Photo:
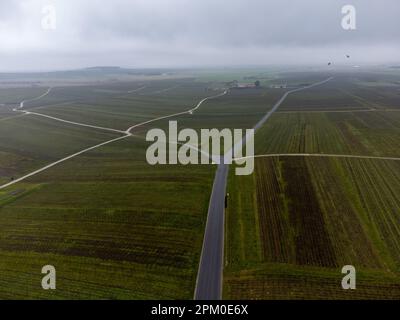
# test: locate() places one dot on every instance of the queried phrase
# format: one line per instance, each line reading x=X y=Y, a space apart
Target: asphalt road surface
x=209 y=281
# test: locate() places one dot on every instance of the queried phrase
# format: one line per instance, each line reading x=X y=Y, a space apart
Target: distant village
x=252 y=85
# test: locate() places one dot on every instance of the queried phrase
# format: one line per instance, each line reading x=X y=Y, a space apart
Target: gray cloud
x=143 y=33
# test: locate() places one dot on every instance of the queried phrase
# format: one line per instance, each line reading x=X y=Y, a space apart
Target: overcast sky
x=170 y=33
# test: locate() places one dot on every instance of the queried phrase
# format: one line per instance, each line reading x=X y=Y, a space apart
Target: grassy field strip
x=360 y=99
x=340 y=111
x=160 y=91
x=12 y=117
x=53 y=105
x=332 y=98
x=317 y=155
x=279 y=103
x=329 y=111
x=74 y=123
x=136 y=90
x=127 y=134
x=74 y=101
x=213 y=268
x=191 y=111
x=21 y=105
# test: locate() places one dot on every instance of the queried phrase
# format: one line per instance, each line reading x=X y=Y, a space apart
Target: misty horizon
x=195 y=34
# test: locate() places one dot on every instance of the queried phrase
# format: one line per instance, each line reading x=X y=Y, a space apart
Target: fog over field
x=181 y=33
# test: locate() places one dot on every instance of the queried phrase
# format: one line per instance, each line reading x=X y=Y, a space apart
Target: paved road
x=210 y=274
x=320 y=155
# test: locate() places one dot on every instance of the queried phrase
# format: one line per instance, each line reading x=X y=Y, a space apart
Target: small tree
x=257 y=83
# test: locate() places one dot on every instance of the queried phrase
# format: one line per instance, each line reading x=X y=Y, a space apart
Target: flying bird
x=348 y=57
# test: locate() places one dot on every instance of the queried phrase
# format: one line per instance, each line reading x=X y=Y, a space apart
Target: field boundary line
x=161 y=91
x=74 y=123
x=25 y=112
x=318 y=155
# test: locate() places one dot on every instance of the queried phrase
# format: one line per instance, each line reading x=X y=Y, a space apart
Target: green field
x=11 y=97
x=297 y=221
x=118 y=108
x=29 y=142
x=356 y=133
x=344 y=213
x=117 y=228
x=114 y=227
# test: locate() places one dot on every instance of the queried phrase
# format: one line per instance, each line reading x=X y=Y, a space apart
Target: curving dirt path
x=126 y=134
